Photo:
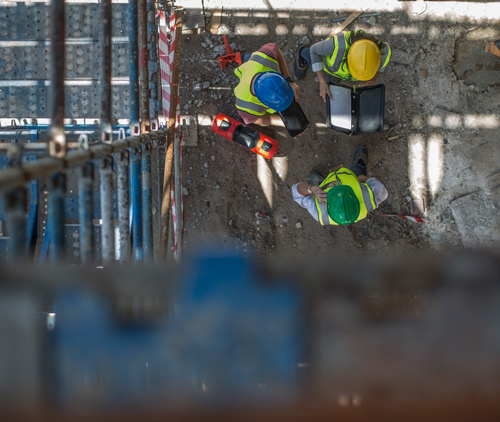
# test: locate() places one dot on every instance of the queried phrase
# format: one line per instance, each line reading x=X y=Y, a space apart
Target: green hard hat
x=342 y=204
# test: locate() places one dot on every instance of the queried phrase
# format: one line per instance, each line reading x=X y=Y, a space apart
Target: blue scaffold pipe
x=147 y=216
x=135 y=182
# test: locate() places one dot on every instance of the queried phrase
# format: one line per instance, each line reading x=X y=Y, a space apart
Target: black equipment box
x=356 y=111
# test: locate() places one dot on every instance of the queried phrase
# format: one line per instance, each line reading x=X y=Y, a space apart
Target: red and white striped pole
x=166 y=55
x=407 y=217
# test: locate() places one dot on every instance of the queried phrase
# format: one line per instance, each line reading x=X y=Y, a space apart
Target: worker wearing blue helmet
x=265 y=87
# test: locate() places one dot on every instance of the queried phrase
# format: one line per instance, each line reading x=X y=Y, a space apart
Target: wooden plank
x=346 y=23
x=216 y=21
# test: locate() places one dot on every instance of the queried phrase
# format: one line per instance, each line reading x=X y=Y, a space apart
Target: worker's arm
x=269 y=120
x=303 y=187
x=318 y=51
x=324 y=89
x=286 y=74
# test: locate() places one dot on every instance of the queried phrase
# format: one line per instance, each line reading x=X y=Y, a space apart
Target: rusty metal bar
x=105 y=72
x=169 y=155
x=123 y=205
x=142 y=18
x=108 y=227
x=57 y=138
x=178 y=195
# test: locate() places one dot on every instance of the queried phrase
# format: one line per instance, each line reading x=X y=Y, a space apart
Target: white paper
x=340 y=107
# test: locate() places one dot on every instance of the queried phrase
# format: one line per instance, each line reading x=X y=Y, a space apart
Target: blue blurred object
x=229 y=334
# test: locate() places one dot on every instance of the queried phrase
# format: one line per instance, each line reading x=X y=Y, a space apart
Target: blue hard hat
x=273 y=90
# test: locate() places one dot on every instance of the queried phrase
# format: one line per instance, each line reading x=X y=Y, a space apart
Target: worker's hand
x=362 y=178
x=324 y=90
x=367 y=83
x=295 y=88
x=320 y=194
x=336 y=168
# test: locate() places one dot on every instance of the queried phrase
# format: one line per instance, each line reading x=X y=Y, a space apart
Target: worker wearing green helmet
x=343 y=197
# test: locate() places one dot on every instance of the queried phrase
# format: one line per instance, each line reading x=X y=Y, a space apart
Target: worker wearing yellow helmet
x=349 y=56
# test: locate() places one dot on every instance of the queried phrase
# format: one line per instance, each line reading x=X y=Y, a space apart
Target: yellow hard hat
x=363 y=60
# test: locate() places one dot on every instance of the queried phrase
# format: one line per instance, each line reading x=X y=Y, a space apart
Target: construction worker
x=265 y=87
x=349 y=56
x=345 y=196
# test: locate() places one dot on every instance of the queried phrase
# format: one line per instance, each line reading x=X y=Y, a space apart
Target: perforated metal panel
x=25 y=60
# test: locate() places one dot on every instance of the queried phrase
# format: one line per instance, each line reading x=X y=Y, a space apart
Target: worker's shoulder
x=271 y=50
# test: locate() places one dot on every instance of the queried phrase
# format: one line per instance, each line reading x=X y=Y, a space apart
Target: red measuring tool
x=230 y=56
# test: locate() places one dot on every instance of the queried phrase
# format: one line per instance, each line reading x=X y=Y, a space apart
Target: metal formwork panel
x=25 y=59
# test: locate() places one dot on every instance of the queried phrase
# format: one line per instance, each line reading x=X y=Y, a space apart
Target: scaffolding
x=69 y=186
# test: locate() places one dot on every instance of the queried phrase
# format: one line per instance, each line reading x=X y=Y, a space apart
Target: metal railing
x=131 y=155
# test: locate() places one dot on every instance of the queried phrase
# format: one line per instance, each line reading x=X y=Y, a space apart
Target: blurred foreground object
x=226 y=339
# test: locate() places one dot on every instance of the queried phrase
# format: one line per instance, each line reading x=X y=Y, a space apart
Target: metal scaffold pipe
x=178 y=195
x=143 y=64
x=16 y=222
x=135 y=197
x=105 y=72
x=123 y=205
x=57 y=138
x=133 y=64
x=108 y=228
x=86 y=208
x=147 y=215
x=55 y=216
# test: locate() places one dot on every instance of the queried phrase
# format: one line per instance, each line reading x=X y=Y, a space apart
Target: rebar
x=55 y=216
x=86 y=209
x=122 y=159
x=147 y=215
x=107 y=229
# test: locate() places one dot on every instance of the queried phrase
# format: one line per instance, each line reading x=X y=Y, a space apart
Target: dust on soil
x=222 y=187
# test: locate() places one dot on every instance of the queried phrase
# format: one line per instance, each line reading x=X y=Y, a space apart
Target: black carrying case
x=356 y=112
x=294 y=119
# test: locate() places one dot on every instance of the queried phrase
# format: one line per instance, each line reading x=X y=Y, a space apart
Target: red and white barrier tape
x=166 y=54
x=407 y=217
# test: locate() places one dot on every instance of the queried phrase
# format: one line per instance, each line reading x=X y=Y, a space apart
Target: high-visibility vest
x=344 y=176
x=245 y=100
x=336 y=64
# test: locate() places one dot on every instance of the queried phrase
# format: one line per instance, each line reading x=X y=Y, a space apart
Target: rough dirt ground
x=441 y=108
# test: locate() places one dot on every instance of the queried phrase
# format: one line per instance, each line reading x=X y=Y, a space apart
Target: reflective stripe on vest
x=265 y=61
x=364 y=194
x=245 y=100
x=332 y=63
x=384 y=58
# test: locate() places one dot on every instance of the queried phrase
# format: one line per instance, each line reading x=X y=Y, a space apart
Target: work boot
x=361 y=156
x=315 y=178
x=299 y=64
x=360 y=159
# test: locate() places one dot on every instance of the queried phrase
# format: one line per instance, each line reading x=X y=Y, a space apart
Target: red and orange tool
x=230 y=56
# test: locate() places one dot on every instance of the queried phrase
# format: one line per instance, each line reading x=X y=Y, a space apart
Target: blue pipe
x=85 y=211
x=147 y=215
x=56 y=217
x=16 y=222
x=133 y=62
x=135 y=198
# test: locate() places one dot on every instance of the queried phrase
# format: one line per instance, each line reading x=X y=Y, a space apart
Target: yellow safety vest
x=245 y=100
x=344 y=176
x=336 y=63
